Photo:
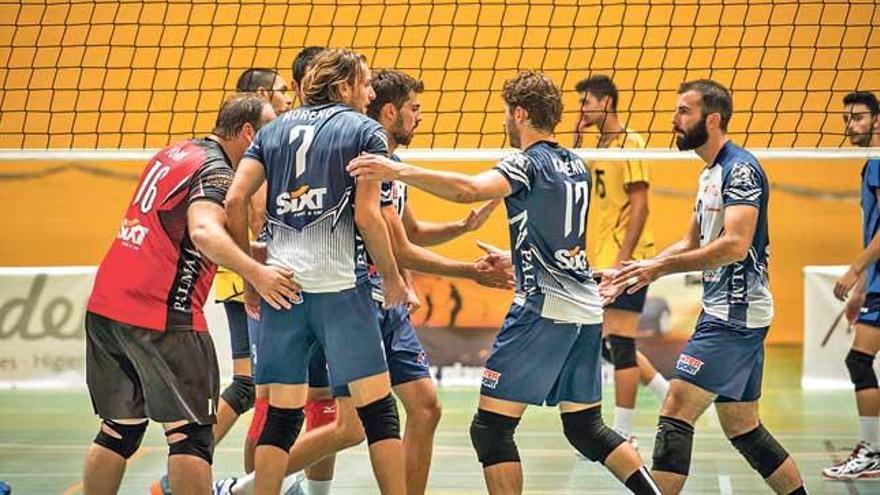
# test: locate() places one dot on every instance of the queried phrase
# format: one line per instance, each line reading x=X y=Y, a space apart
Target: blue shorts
x=870 y=312
x=343 y=323
x=404 y=353
x=239 y=339
x=725 y=359
x=317 y=364
x=539 y=361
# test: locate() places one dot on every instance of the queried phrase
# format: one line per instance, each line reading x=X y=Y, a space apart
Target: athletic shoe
x=862 y=463
x=224 y=487
x=296 y=488
x=161 y=487
x=634 y=441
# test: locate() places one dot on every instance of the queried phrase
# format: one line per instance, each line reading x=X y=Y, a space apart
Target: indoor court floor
x=43 y=435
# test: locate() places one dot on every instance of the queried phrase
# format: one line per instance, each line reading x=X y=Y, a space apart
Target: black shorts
x=630 y=302
x=136 y=373
x=238 y=329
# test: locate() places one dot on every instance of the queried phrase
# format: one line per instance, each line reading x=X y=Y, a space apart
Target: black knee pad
x=199 y=441
x=380 y=420
x=586 y=432
x=673 y=446
x=240 y=394
x=606 y=350
x=861 y=369
x=761 y=450
x=623 y=352
x=492 y=437
x=282 y=427
x=129 y=441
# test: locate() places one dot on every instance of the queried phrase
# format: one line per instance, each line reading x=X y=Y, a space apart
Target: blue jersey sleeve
x=255 y=150
x=517 y=169
x=374 y=139
x=743 y=185
x=872 y=174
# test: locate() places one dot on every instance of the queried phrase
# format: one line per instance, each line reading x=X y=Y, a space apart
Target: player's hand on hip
x=845 y=284
x=276 y=286
x=394 y=292
x=478 y=216
x=251 y=301
x=374 y=167
x=853 y=307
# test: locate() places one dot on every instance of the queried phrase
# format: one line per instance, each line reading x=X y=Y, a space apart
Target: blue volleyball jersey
x=738 y=293
x=310 y=196
x=870 y=219
x=547 y=212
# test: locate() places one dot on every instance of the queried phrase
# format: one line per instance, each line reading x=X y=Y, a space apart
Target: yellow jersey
x=228 y=286
x=611 y=203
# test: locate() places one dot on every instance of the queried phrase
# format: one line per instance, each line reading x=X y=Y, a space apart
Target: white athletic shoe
x=224 y=487
x=634 y=441
x=296 y=488
x=862 y=463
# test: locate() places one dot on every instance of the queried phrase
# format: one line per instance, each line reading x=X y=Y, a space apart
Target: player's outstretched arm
x=740 y=222
x=637 y=193
x=424 y=233
x=368 y=217
x=452 y=186
x=422 y=260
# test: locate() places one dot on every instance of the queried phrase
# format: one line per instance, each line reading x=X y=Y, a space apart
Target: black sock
x=799 y=491
x=641 y=483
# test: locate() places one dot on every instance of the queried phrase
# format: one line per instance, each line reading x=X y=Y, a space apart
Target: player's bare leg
x=742 y=426
x=103 y=468
x=422 y=417
x=188 y=474
x=619 y=326
x=864 y=461
x=651 y=378
x=372 y=396
x=585 y=431
x=226 y=414
x=322 y=470
x=256 y=427
x=502 y=477
x=270 y=460
x=315 y=446
x=684 y=404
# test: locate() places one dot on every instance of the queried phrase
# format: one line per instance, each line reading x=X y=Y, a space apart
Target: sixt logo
x=132 y=233
x=571 y=259
x=301 y=199
x=689 y=364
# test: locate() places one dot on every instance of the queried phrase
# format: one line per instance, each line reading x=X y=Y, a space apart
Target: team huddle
x=306 y=211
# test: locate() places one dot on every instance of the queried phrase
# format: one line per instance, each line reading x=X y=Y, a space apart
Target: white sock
x=314 y=487
x=659 y=386
x=870 y=426
x=623 y=421
x=244 y=485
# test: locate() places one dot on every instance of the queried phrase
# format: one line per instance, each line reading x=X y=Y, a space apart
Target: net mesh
x=125 y=74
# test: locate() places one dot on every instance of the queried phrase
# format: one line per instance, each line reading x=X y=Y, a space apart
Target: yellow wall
x=70 y=218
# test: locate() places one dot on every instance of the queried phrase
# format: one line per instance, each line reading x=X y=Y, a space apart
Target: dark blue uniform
x=407 y=360
x=725 y=355
x=548 y=349
x=310 y=229
x=870 y=313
